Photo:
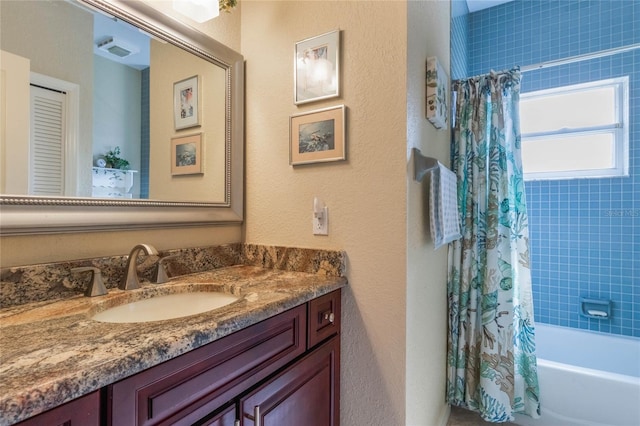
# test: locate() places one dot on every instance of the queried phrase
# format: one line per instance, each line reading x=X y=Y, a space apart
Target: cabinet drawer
x=324 y=318
x=195 y=384
x=84 y=411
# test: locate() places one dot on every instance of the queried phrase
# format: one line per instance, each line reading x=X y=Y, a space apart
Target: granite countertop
x=53 y=352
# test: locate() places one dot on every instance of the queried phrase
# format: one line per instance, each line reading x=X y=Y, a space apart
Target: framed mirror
x=117 y=116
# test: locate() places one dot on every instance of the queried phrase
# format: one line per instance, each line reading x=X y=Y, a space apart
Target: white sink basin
x=160 y=308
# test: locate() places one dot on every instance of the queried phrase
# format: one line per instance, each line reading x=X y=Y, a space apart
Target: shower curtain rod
x=569 y=60
x=580 y=58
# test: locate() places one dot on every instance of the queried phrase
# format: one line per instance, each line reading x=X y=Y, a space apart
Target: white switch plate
x=321 y=225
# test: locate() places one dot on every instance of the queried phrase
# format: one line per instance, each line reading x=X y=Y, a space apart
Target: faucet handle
x=161 y=275
x=96 y=287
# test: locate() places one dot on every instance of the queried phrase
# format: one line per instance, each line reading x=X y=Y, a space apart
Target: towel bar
x=422 y=165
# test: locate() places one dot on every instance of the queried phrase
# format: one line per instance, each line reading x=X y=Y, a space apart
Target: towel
x=445 y=220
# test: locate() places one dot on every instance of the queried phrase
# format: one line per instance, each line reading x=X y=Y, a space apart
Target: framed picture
x=317 y=136
x=437 y=82
x=186 y=155
x=317 y=68
x=186 y=103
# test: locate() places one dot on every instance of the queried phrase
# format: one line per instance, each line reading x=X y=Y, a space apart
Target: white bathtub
x=586 y=378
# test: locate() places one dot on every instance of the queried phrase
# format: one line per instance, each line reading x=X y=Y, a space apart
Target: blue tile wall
x=459 y=55
x=144 y=136
x=585 y=233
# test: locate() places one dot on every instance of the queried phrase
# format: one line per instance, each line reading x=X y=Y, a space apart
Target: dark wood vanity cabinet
x=83 y=411
x=287 y=366
x=283 y=371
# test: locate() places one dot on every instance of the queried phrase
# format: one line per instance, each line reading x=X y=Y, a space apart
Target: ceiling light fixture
x=197 y=10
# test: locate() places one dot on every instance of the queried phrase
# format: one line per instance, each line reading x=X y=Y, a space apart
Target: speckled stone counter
x=53 y=352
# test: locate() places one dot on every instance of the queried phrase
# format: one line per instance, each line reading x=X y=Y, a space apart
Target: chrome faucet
x=131 y=281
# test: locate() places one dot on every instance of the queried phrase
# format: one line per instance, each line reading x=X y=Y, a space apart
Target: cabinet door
x=306 y=393
x=226 y=417
x=84 y=411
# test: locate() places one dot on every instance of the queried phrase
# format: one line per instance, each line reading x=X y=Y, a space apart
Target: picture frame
x=437 y=82
x=186 y=103
x=316 y=68
x=317 y=136
x=187 y=155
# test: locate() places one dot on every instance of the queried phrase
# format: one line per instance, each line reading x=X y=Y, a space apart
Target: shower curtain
x=490 y=349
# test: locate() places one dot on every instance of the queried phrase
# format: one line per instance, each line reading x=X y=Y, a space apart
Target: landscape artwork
x=318 y=136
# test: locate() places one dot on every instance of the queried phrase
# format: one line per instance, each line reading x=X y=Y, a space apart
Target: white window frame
x=619 y=130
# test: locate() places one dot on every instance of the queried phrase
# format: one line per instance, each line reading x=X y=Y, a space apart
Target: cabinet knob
x=329 y=316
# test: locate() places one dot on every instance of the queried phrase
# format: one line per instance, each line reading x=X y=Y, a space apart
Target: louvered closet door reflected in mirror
x=46 y=154
x=52 y=140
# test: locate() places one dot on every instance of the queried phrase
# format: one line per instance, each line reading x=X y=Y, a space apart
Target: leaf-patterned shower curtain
x=490 y=349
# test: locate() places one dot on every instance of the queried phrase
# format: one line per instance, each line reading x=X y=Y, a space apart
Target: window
x=576 y=131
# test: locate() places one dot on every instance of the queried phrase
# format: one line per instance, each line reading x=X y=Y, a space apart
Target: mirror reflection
x=96 y=108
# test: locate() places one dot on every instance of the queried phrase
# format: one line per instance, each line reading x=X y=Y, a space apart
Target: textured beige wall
x=426 y=315
x=366 y=195
x=394 y=317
